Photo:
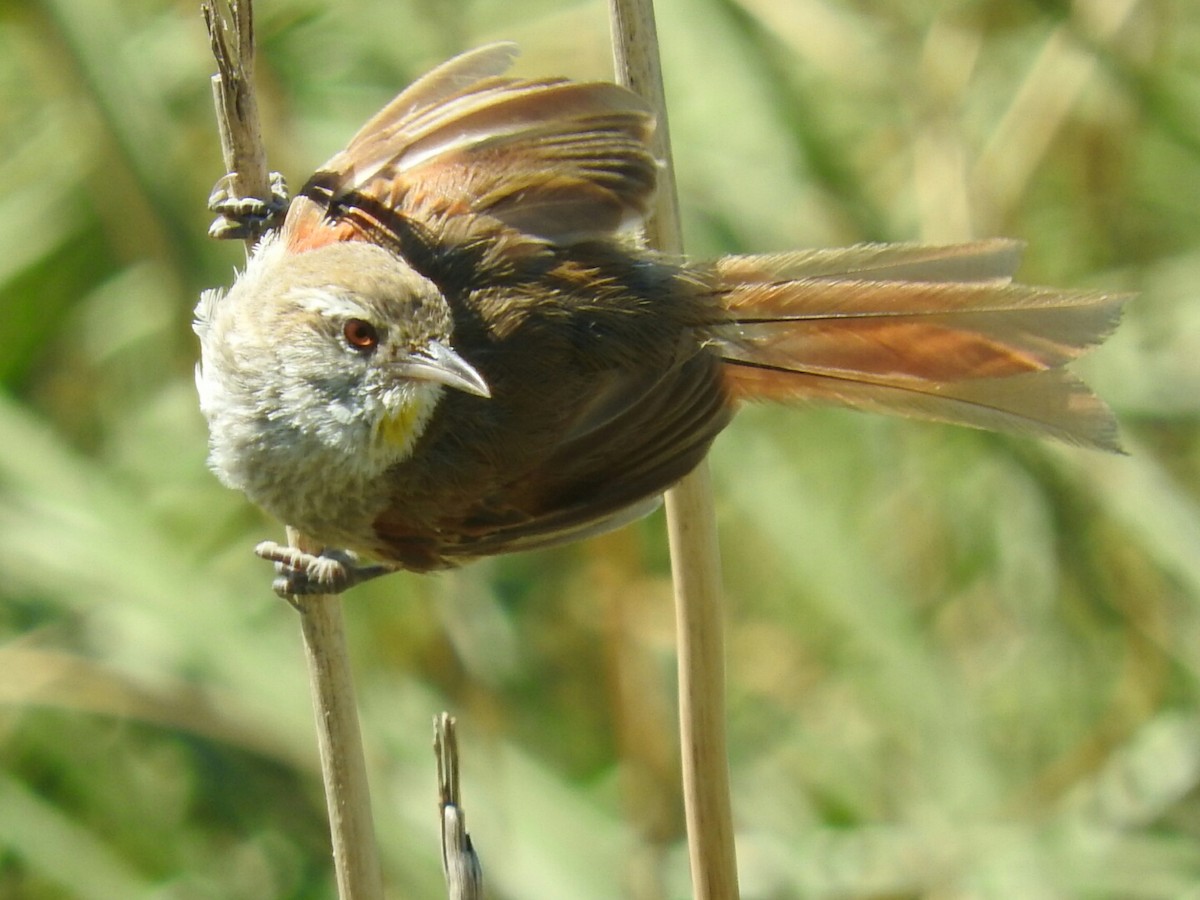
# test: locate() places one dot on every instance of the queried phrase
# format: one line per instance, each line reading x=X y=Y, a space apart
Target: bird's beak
x=438 y=363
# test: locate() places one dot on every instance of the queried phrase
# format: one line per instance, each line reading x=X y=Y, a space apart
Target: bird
x=457 y=344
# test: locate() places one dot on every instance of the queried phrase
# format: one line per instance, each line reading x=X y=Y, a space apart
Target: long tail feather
x=984 y=260
x=954 y=341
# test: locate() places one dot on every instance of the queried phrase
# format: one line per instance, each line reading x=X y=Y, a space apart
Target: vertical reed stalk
x=231 y=31
x=691 y=529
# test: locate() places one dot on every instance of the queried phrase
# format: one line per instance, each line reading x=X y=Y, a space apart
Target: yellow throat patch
x=398 y=431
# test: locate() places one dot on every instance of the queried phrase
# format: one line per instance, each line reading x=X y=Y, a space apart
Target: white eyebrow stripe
x=327 y=301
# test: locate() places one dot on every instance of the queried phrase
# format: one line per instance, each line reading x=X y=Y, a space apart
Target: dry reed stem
x=355 y=855
x=343 y=766
x=691 y=527
x=460 y=864
x=232 y=40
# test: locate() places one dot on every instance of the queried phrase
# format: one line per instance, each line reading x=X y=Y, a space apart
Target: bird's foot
x=302 y=574
x=243 y=218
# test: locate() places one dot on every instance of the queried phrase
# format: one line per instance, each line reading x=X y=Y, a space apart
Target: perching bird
x=457 y=346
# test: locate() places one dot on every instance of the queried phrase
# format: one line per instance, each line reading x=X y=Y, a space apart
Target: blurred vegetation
x=961 y=665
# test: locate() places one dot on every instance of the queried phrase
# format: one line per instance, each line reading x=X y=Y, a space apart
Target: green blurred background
x=961 y=665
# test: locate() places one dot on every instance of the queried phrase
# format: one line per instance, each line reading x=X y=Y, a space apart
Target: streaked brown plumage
x=490 y=223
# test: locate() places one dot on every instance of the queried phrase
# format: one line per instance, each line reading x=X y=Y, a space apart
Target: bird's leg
x=328 y=572
x=243 y=218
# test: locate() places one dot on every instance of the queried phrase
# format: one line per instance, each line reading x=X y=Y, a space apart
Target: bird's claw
x=242 y=218
x=301 y=574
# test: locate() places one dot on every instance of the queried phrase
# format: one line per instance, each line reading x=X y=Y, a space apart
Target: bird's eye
x=360 y=334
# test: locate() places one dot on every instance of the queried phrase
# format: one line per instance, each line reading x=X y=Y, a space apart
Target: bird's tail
x=936 y=333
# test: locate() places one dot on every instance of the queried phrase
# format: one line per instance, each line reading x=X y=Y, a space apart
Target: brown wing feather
x=600 y=479
x=602 y=397
x=592 y=483
x=439 y=84
x=551 y=159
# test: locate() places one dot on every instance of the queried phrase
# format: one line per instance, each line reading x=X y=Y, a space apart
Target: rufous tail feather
x=934 y=333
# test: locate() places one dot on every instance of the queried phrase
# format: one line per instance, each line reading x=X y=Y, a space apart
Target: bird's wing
x=552 y=160
x=608 y=472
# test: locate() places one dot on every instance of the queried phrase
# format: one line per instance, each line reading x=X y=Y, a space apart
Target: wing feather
x=552 y=160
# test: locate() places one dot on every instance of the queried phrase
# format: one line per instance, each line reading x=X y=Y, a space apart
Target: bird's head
x=345 y=345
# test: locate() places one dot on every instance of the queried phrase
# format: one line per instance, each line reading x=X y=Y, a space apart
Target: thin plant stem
x=343 y=766
x=355 y=855
x=231 y=34
x=460 y=864
x=691 y=527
